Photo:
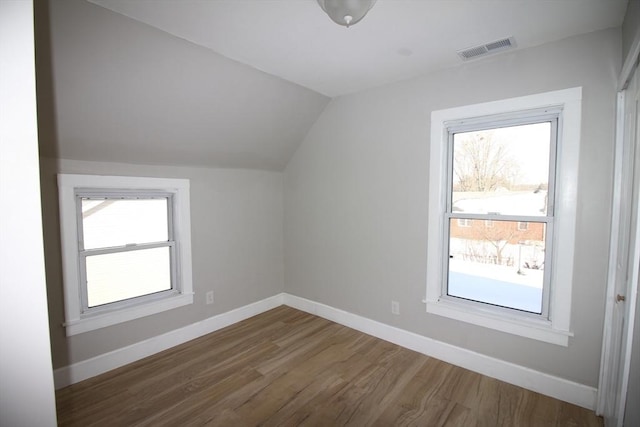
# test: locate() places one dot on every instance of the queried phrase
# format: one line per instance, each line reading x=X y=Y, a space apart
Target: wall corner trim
x=559 y=388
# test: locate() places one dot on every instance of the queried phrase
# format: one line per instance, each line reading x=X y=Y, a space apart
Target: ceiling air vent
x=486 y=49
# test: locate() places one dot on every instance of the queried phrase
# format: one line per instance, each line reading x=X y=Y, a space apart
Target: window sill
x=97 y=321
x=522 y=325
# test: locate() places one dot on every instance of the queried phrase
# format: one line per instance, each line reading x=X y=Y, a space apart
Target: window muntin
x=500 y=173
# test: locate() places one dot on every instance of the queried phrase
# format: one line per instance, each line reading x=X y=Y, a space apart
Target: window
x=502 y=170
x=126 y=248
x=464 y=222
x=511 y=164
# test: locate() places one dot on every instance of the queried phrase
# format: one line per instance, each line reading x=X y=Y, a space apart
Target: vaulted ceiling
x=239 y=83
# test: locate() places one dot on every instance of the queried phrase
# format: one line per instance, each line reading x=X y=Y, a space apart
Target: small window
x=510 y=167
x=464 y=222
x=126 y=248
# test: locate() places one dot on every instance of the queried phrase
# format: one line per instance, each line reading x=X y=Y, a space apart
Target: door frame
x=622 y=176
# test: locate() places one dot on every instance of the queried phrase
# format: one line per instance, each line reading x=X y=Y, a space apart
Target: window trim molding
x=75 y=321
x=556 y=329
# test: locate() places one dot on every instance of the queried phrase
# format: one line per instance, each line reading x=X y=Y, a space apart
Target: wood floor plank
x=289 y=368
x=574 y=416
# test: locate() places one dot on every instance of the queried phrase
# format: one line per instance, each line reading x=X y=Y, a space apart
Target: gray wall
x=630 y=26
x=356 y=195
x=237 y=247
x=123 y=91
x=120 y=97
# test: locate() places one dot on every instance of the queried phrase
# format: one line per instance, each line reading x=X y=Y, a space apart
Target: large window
x=126 y=248
x=500 y=175
x=502 y=214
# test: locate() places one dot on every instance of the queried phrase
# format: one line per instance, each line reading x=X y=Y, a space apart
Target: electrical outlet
x=395 y=307
x=210 y=297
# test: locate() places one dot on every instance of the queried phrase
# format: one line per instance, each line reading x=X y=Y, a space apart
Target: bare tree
x=481 y=163
x=499 y=237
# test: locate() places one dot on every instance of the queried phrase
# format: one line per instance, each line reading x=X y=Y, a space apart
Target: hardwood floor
x=289 y=368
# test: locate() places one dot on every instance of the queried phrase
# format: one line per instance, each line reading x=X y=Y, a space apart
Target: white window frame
x=554 y=327
x=78 y=318
x=550 y=115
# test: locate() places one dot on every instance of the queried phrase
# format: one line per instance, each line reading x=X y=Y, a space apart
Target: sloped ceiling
x=239 y=83
x=127 y=92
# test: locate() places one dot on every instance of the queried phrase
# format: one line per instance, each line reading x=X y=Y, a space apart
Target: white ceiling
x=398 y=39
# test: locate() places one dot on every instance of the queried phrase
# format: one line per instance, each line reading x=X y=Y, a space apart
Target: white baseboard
x=114 y=359
x=530 y=379
x=559 y=388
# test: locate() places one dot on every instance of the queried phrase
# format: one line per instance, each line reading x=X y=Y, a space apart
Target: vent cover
x=486 y=49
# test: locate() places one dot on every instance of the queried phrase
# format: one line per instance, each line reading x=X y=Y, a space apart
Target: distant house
x=495 y=240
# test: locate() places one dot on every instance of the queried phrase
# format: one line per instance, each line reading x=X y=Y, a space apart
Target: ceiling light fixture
x=346 y=12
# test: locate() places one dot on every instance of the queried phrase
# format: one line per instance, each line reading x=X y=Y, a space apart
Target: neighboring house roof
x=528 y=203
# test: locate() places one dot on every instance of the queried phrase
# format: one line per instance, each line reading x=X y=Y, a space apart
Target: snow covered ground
x=496 y=284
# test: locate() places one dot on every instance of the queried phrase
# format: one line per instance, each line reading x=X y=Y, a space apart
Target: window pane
x=117 y=222
x=123 y=275
x=500 y=265
x=502 y=171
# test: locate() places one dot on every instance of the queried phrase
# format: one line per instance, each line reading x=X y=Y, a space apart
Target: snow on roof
x=506 y=203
